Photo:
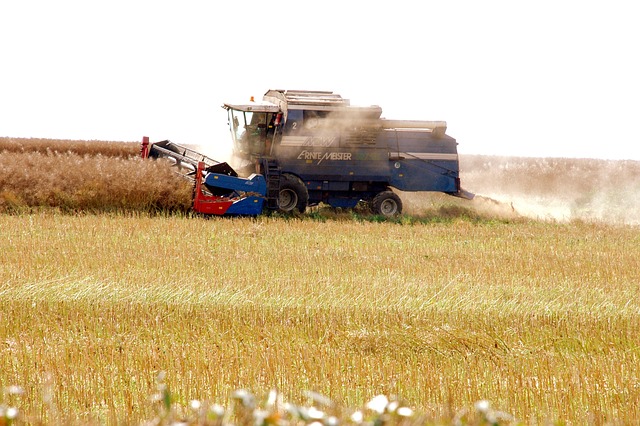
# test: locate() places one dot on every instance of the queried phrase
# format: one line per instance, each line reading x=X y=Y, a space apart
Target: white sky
x=539 y=78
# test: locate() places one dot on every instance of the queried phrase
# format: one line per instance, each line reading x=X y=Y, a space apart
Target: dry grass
x=85 y=177
x=61 y=146
x=539 y=318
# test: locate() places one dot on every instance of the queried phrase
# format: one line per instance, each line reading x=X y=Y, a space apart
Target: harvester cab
x=312 y=147
x=253 y=127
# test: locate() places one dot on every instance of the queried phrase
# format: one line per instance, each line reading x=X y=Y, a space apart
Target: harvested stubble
x=539 y=318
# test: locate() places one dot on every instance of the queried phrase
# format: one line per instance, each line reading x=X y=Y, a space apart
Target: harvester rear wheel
x=386 y=203
x=293 y=194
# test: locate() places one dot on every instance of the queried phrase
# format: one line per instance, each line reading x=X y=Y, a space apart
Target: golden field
x=451 y=305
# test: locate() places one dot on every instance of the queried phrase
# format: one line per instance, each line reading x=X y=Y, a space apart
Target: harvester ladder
x=272 y=175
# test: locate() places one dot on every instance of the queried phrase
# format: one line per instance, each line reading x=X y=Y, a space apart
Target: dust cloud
x=560 y=189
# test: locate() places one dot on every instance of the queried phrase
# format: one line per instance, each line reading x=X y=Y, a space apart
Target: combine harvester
x=302 y=148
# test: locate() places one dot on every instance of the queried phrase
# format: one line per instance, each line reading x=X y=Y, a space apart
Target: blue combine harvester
x=302 y=148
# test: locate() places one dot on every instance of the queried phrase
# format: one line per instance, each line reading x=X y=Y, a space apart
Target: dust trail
x=560 y=189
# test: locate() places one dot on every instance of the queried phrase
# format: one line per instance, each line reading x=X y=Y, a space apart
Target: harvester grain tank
x=314 y=147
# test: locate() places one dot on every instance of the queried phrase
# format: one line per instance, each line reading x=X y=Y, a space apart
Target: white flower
x=217 y=410
x=405 y=412
x=482 y=406
x=273 y=398
x=314 y=413
x=15 y=390
x=357 y=417
x=332 y=421
x=378 y=404
x=12 y=413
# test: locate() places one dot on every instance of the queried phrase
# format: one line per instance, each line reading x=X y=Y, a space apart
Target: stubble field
x=450 y=305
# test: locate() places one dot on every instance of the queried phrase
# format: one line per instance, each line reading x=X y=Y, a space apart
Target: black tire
x=293 y=194
x=386 y=203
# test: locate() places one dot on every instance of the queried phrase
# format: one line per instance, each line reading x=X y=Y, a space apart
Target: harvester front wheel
x=386 y=203
x=293 y=194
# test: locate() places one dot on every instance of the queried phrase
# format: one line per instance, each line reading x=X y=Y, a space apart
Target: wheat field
x=443 y=309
